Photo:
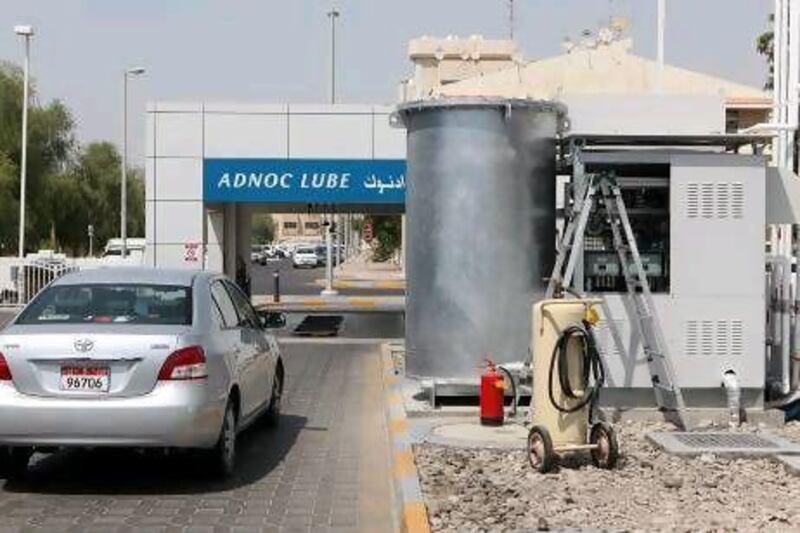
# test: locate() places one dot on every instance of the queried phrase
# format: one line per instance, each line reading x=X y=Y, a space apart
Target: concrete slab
x=723 y=444
x=791 y=462
x=471 y=434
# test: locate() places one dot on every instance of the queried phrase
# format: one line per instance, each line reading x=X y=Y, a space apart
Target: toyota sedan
x=136 y=357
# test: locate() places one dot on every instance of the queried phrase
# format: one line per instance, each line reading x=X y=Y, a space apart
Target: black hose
x=592 y=368
x=513 y=389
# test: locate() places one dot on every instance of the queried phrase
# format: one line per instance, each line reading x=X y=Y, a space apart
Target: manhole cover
x=724 y=440
x=319 y=326
x=723 y=444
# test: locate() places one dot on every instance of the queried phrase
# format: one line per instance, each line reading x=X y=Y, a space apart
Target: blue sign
x=322 y=181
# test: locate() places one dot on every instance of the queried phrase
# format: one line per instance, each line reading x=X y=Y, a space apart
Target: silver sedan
x=136 y=357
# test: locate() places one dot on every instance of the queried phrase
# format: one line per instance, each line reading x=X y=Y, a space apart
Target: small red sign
x=191 y=252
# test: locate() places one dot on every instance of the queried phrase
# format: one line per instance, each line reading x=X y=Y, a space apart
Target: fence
x=22 y=279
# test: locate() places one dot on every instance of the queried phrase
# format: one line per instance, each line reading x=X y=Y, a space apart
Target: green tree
x=51 y=146
x=263 y=228
x=765 y=45
x=386 y=230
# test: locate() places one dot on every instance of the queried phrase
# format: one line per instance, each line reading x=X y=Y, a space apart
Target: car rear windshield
x=305 y=251
x=110 y=304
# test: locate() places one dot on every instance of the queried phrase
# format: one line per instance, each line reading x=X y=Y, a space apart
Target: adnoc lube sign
x=330 y=181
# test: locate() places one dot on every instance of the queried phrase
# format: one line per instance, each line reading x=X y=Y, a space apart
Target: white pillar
x=23 y=173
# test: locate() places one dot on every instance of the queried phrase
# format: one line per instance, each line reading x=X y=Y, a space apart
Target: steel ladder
x=668 y=395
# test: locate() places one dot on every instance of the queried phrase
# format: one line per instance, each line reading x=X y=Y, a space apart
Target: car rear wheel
x=223 y=455
x=273 y=414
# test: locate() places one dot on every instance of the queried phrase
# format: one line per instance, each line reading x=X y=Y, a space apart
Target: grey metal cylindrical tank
x=480 y=208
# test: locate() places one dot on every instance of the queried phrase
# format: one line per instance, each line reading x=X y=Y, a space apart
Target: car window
x=124 y=303
x=224 y=304
x=247 y=314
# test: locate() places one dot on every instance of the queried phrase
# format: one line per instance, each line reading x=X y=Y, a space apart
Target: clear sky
x=278 y=50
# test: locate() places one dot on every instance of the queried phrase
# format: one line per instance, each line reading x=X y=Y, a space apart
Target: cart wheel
x=607 y=451
x=540 y=449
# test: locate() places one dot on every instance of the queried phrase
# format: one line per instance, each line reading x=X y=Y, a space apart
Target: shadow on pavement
x=125 y=471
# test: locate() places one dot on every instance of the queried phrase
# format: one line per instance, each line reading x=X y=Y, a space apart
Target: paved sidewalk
x=358 y=274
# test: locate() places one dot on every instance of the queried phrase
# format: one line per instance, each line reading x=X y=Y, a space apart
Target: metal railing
x=30 y=275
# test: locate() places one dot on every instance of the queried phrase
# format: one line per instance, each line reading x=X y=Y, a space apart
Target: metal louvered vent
x=707 y=200
x=692 y=200
x=737 y=200
x=719 y=200
x=718 y=338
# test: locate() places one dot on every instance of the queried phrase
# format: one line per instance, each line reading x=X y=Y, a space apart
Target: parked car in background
x=305 y=256
x=255 y=254
x=137 y=357
x=322 y=254
x=135 y=249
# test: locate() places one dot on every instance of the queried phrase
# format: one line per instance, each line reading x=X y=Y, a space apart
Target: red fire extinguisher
x=492 y=395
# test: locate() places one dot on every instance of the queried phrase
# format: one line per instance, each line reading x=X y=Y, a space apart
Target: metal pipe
x=777 y=79
x=796 y=312
x=733 y=395
x=781 y=294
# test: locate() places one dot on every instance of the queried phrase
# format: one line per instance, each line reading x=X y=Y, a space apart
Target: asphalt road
x=301 y=281
x=326 y=467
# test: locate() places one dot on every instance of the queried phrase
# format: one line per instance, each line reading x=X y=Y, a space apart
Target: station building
x=198 y=218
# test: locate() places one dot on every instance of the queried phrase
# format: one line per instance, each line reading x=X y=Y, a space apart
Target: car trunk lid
x=130 y=357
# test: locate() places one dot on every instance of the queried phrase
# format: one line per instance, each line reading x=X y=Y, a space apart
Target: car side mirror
x=273 y=320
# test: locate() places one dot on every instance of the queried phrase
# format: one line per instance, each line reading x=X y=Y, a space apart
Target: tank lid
x=479 y=102
x=475 y=102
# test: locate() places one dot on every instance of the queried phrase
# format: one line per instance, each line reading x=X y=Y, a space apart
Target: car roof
x=129 y=275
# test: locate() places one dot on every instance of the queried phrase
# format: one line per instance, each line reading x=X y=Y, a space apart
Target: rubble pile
x=488 y=490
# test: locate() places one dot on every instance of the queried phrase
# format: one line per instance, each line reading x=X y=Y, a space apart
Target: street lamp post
x=333 y=14
x=26 y=32
x=123 y=209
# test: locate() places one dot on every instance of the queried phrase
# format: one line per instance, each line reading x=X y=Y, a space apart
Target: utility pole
x=26 y=32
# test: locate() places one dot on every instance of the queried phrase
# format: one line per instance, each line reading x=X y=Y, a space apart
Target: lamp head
x=24 y=30
x=135 y=71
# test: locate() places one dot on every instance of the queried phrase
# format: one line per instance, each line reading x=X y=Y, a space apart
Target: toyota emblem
x=84 y=345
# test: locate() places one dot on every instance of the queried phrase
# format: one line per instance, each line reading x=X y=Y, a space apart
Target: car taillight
x=5 y=371
x=184 y=364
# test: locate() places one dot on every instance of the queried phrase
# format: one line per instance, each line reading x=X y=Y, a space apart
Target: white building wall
x=181 y=134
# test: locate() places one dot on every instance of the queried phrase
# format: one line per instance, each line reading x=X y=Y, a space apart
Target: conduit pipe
x=734 y=396
x=780 y=298
x=796 y=312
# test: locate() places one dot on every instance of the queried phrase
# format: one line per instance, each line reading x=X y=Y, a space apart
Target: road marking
x=406 y=476
x=399 y=425
x=416 y=517
x=361 y=302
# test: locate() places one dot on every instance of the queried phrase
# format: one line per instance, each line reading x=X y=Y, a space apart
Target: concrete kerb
x=413 y=513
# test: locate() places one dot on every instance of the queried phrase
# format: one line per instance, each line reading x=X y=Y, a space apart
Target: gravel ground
x=489 y=490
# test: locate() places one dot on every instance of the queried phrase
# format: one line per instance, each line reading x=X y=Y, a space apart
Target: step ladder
x=667 y=392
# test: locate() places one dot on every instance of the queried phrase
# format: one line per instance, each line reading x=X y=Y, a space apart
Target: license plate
x=85 y=378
